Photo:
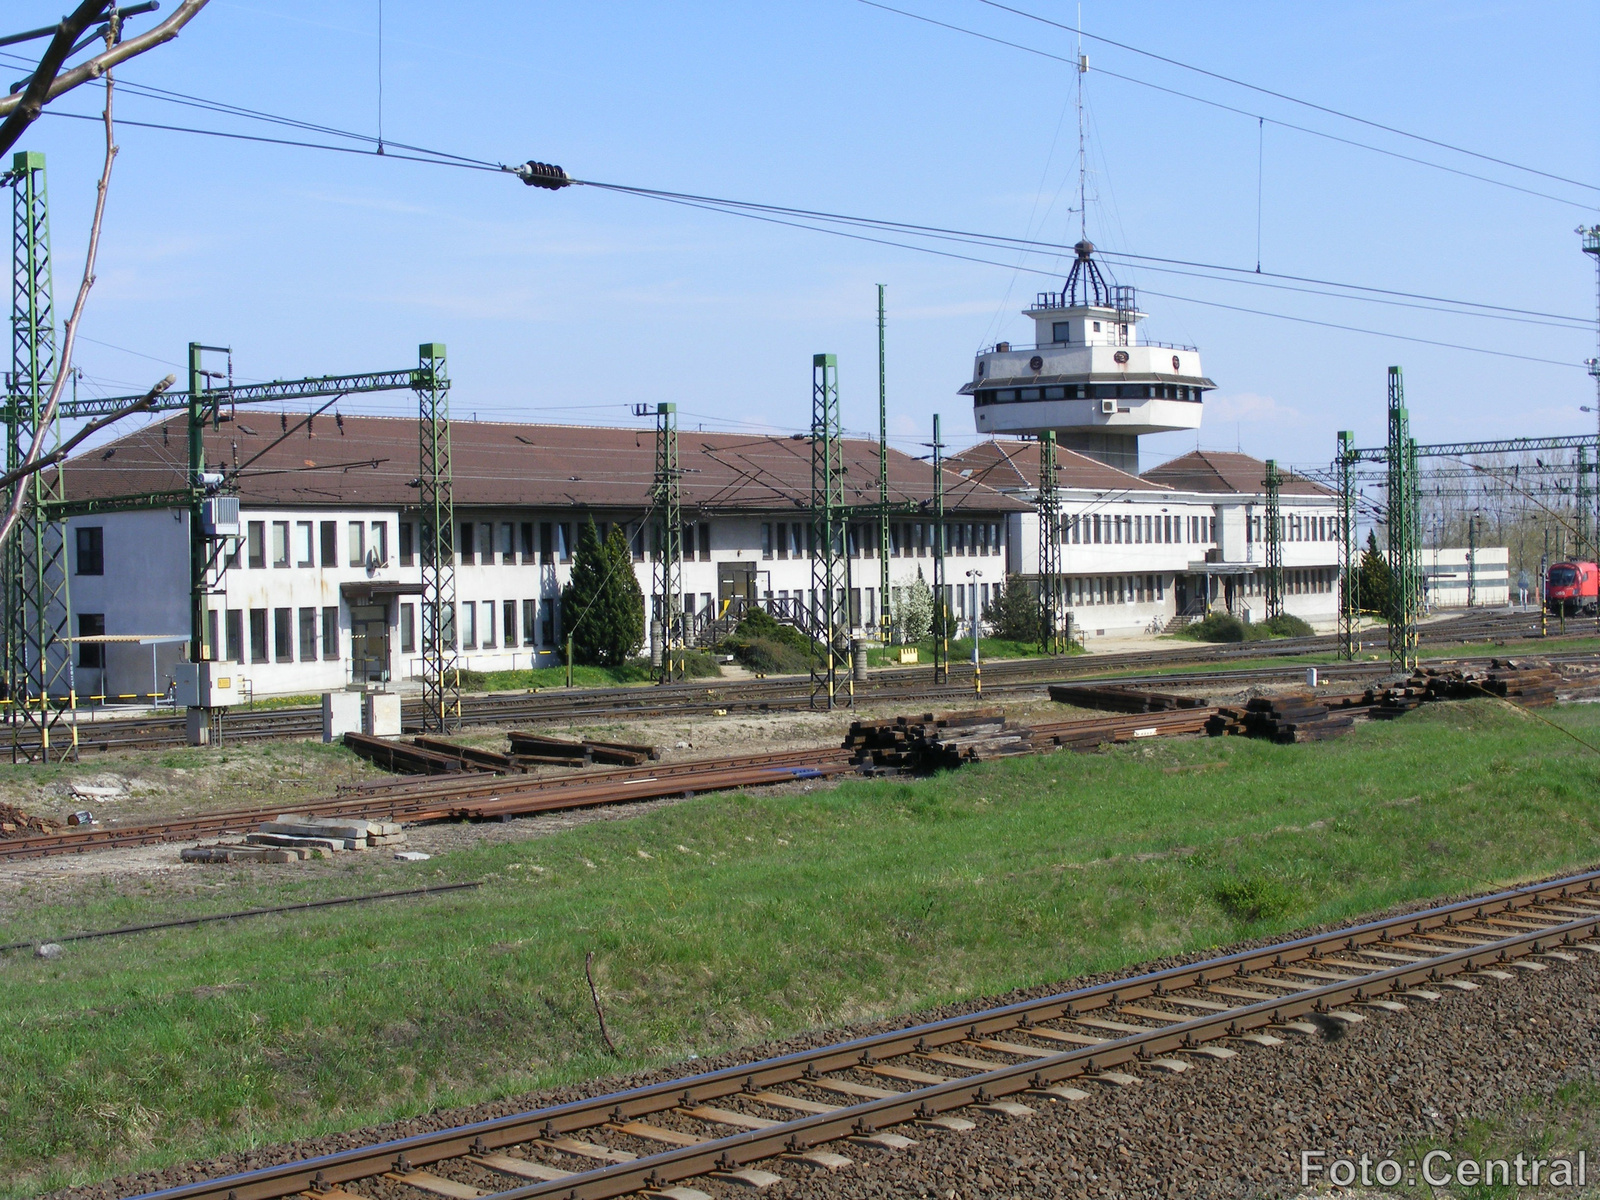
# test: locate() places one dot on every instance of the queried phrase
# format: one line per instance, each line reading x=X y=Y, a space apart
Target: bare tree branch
x=22 y=110
x=47 y=418
x=25 y=109
x=60 y=453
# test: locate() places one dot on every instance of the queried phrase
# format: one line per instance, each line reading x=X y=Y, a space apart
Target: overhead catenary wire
x=1153 y=262
x=1217 y=104
x=1322 y=108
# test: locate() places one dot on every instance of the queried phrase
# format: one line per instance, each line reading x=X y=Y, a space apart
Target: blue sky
x=575 y=305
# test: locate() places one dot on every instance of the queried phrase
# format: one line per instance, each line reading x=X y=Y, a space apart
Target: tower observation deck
x=1088 y=375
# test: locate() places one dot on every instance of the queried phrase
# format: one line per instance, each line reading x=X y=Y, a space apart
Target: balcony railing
x=1024 y=348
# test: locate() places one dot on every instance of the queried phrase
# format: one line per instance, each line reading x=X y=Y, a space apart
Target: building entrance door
x=736 y=584
x=369 y=643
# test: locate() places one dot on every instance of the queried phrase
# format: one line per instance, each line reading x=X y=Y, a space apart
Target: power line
x=1334 y=112
x=1217 y=104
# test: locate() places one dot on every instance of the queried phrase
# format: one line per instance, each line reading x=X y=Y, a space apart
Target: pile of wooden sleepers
x=935 y=741
x=1530 y=683
x=1299 y=717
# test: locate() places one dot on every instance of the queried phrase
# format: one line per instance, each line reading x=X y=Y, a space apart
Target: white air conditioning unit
x=1108 y=407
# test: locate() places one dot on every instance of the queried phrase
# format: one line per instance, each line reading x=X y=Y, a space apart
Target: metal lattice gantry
x=1349 y=598
x=441 y=679
x=1403 y=521
x=941 y=606
x=1272 y=529
x=885 y=616
x=669 y=637
x=829 y=562
x=38 y=611
x=1051 y=594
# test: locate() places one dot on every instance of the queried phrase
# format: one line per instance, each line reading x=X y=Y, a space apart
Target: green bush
x=759 y=623
x=768 y=657
x=1014 y=613
x=472 y=681
x=1257 y=898
x=1217 y=627
x=1285 y=625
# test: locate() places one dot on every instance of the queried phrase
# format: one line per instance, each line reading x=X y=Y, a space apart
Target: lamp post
x=977 y=665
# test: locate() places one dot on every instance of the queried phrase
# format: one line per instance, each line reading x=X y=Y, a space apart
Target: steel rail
x=763 y=695
x=481 y=796
x=1476 y=945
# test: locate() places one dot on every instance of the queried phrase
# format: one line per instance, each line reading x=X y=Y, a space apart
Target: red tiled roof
x=1010 y=464
x=374 y=461
x=1225 y=471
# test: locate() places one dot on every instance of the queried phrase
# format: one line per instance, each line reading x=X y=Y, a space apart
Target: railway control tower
x=1089 y=376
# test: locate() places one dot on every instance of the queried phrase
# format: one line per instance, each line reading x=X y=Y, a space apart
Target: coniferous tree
x=1374 y=580
x=1014 y=612
x=627 y=598
x=603 y=603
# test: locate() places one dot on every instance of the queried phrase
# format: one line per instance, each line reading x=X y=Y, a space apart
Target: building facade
x=322 y=588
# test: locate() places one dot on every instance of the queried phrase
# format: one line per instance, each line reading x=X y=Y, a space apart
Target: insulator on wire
x=538 y=174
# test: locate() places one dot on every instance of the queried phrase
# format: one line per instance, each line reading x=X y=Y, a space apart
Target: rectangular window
x=705 y=541
x=766 y=539
x=258 y=636
x=508 y=622
x=530 y=622
x=91 y=550
x=486 y=544
x=469 y=625
x=233 y=629
x=91 y=654
x=358 y=543
x=636 y=543
x=466 y=548
x=408 y=553
x=283 y=634
x=302 y=545
x=280 y=543
x=330 y=543
x=308 y=635
x=508 y=544
x=549 y=624
x=408 y=628
x=564 y=545
x=256 y=542
x=547 y=542
x=330 y=632
x=489 y=640
x=526 y=530
x=380 y=542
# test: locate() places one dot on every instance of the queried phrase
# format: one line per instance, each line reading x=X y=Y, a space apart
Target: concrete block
x=382 y=715
x=341 y=714
x=343 y=830
x=298 y=843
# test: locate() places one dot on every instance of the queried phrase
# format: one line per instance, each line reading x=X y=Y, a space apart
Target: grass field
x=730 y=919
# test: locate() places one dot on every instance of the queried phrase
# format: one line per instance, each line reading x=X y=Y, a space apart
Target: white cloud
x=1252 y=407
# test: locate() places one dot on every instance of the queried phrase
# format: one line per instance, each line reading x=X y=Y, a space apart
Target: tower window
x=1097 y=326
x=1061 y=331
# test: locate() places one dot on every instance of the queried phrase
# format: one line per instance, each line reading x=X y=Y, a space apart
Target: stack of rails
x=1088 y=735
x=1120 y=698
x=419 y=759
x=1295 y=718
x=539 y=748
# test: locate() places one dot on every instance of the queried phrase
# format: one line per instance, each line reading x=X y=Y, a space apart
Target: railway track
x=501 y=797
x=758 y=1121
x=892 y=685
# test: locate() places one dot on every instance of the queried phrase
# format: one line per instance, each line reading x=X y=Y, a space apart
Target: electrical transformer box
x=219 y=516
x=206 y=684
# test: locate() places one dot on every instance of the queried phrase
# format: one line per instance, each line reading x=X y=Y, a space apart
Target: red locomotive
x=1571 y=588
